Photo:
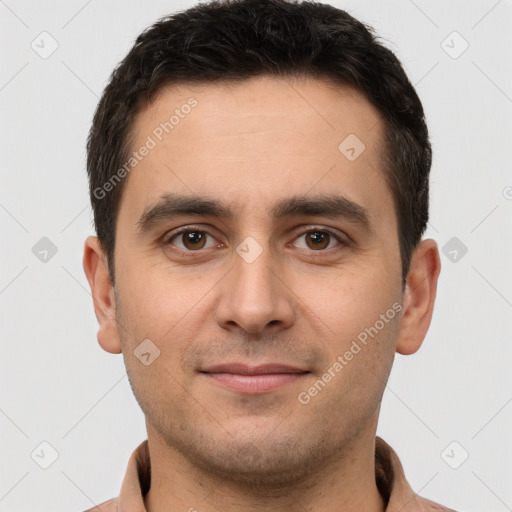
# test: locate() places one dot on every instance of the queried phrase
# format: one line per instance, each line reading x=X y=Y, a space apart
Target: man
x=259 y=179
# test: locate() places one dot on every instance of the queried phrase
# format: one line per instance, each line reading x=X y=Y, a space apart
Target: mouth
x=248 y=379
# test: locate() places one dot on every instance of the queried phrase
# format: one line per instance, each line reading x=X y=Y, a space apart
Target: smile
x=254 y=380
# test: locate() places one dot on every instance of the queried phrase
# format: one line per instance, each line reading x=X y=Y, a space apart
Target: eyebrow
x=326 y=205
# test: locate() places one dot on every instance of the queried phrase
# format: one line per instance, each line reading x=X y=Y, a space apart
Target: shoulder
x=394 y=486
x=416 y=503
x=420 y=504
x=431 y=506
x=107 y=506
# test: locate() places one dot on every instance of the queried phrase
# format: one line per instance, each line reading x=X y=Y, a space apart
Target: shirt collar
x=389 y=475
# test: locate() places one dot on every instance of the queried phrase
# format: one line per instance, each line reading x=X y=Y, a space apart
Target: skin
x=251 y=145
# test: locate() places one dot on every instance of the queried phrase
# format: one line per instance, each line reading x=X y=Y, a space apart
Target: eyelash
x=192 y=229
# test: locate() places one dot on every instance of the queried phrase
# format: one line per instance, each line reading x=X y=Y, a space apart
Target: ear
x=96 y=270
x=419 y=297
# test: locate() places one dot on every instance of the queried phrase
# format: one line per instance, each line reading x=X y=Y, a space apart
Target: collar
x=389 y=475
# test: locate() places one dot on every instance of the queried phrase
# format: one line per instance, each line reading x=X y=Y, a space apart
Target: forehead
x=251 y=143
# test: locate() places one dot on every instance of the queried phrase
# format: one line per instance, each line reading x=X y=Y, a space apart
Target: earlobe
x=419 y=297
x=96 y=270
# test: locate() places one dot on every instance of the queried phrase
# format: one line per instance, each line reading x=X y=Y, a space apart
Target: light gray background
x=59 y=386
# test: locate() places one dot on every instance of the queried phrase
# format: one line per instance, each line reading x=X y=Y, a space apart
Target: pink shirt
x=389 y=475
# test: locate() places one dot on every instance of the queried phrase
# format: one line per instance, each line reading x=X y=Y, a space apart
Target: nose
x=254 y=297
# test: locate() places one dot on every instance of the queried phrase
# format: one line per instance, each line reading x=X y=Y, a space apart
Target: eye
x=192 y=239
x=319 y=239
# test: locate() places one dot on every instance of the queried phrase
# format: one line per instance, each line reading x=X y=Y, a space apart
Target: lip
x=247 y=379
x=245 y=369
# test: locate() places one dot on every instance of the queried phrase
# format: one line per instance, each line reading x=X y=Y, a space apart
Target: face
x=273 y=299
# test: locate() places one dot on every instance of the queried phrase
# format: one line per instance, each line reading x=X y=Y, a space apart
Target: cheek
x=363 y=328
x=351 y=300
x=157 y=297
x=169 y=310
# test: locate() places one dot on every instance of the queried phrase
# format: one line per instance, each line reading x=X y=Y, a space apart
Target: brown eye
x=318 y=240
x=193 y=239
x=189 y=239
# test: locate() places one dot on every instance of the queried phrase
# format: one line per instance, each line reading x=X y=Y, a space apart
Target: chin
x=260 y=464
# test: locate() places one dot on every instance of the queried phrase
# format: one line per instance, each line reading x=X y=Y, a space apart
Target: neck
x=344 y=483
